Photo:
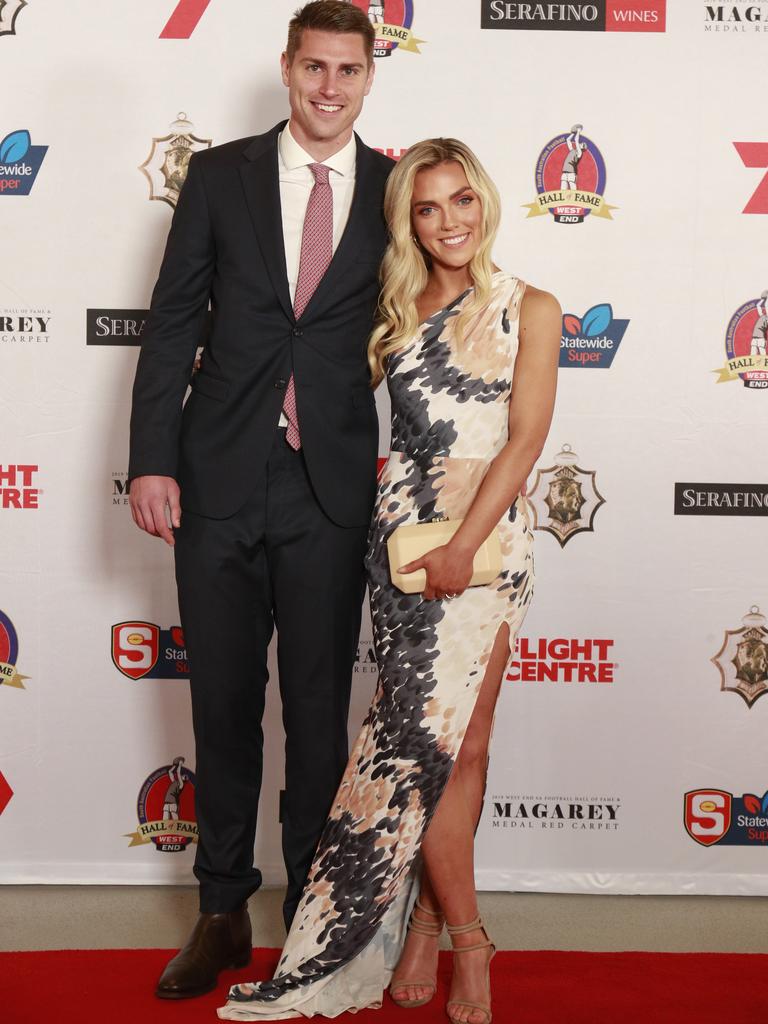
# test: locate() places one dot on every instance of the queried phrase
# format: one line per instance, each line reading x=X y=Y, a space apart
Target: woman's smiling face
x=447 y=215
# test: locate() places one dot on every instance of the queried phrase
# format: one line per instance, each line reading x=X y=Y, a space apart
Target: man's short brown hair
x=330 y=16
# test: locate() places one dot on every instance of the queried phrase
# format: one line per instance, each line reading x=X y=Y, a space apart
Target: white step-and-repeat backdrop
x=629 y=750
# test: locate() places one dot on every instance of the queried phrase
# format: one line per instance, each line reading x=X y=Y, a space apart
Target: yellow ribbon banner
x=10 y=676
x=590 y=200
x=404 y=38
x=741 y=364
x=154 y=829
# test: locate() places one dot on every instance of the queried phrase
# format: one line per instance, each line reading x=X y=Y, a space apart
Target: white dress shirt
x=296 y=182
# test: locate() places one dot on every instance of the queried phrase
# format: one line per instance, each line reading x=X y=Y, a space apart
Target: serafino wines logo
x=598 y=16
x=168 y=162
x=9 y=12
x=9 y=654
x=166 y=809
x=16 y=487
x=743 y=658
x=592 y=340
x=570 y=180
x=20 y=163
x=392 y=20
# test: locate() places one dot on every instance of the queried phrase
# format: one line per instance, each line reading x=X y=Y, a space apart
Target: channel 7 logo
x=184 y=20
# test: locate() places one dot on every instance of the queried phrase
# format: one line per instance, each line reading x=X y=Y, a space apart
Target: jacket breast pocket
x=212 y=387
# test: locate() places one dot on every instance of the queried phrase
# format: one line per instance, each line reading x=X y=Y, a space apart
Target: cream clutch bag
x=413 y=540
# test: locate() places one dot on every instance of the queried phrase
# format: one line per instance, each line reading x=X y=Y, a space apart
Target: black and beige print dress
x=450 y=415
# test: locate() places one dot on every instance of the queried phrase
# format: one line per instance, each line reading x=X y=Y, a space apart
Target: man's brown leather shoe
x=218 y=941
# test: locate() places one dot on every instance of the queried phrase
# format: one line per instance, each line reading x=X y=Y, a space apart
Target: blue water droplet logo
x=596 y=320
x=15 y=147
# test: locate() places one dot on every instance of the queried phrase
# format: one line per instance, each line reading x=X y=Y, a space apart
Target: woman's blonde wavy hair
x=405 y=267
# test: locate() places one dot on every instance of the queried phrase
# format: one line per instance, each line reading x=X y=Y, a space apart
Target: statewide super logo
x=392 y=20
x=570 y=179
x=593 y=339
x=716 y=816
x=743 y=658
x=166 y=809
x=565 y=498
x=745 y=345
x=142 y=650
x=9 y=12
x=166 y=166
x=20 y=163
x=9 y=654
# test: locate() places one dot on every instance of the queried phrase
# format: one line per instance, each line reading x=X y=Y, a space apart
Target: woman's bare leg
x=448 y=849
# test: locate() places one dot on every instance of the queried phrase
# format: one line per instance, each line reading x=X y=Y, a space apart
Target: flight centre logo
x=565 y=498
x=166 y=809
x=9 y=12
x=562 y=660
x=600 y=16
x=393 y=22
x=9 y=654
x=743 y=16
x=17 y=487
x=20 y=163
x=142 y=650
x=745 y=345
x=743 y=658
x=168 y=162
x=715 y=816
x=592 y=340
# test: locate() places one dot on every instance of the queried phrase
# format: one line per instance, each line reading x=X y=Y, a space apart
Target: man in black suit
x=268 y=474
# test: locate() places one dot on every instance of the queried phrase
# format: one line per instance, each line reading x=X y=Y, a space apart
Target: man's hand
x=153 y=500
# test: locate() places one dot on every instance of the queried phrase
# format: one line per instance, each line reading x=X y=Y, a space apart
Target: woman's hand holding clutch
x=448 y=569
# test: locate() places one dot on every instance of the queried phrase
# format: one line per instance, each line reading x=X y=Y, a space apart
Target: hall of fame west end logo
x=166 y=809
x=565 y=498
x=9 y=654
x=168 y=162
x=393 y=21
x=570 y=180
x=745 y=345
x=743 y=658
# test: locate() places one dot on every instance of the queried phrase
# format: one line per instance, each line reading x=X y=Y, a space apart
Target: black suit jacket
x=226 y=245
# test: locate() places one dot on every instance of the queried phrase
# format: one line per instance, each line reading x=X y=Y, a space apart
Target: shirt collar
x=293 y=155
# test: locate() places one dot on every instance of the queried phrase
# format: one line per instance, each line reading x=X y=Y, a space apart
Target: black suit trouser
x=278 y=562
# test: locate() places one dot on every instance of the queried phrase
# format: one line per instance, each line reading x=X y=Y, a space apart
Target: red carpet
x=115 y=986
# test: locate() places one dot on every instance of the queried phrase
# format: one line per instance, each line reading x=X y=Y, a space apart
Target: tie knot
x=321 y=173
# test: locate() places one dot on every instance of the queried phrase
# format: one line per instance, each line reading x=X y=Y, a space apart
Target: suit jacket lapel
x=262 y=194
x=355 y=228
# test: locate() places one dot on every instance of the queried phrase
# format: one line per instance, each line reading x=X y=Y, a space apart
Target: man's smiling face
x=327 y=80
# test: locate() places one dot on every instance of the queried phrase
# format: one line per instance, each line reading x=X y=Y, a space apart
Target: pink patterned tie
x=316 y=254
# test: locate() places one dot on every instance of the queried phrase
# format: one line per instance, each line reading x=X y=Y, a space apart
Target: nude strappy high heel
x=459 y=1004
x=433 y=928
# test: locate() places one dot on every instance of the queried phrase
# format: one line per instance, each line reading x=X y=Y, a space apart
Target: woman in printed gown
x=470 y=356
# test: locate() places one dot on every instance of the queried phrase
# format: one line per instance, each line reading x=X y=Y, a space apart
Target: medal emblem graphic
x=743 y=658
x=166 y=166
x=9 y=12
x=745 y=345
x=564 y=498
x=166 y=809
x=570 y=179
x=9 y=654
x=392 y=20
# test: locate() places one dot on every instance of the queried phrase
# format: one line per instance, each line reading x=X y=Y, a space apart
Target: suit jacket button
x=297 y=332
x=281 y=382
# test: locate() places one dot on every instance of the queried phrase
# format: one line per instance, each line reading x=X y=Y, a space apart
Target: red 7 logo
x=183 y=22
x=755 y=154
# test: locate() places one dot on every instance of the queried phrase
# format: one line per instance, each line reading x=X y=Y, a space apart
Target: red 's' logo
x=135 y=647
x=707 y=815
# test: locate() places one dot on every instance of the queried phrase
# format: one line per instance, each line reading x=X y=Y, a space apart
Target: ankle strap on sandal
x=425 y=910
x=457 y=929
x=432 y=928
x=476 y=925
